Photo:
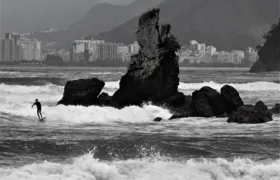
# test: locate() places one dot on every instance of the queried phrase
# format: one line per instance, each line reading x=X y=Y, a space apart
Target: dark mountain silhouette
x=102 y=17
x=226 y=24
x=269 y=53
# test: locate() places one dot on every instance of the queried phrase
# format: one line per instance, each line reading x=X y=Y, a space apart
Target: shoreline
x=115 y=68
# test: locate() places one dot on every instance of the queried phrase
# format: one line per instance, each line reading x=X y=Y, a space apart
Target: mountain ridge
x=101 y=17
x=225 y=24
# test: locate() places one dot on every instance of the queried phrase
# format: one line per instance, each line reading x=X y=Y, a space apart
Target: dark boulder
x=276 y=109
x=201 y=104
x=176 y=100
x=249 y=114
x=232 y=98
x=152 y=74
x=82 y=92
x=183 y=111
x=158 y=119
x=215 y=100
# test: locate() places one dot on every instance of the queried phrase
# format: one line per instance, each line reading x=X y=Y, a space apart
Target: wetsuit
x=39 y=109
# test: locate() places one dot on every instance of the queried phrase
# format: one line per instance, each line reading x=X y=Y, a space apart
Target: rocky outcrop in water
x=251 y=114
x=82 y=92
x=276 y=109
x=152 y=75
x=269 y=53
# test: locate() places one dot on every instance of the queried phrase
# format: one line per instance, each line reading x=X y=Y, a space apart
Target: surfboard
x=42 y=119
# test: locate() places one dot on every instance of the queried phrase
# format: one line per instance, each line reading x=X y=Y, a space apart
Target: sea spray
x=155 y=168
x=92 y=114
x=253 y=86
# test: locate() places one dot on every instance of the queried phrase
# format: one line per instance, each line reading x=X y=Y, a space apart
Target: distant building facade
x=107 y=51
x=9 y=49
x=30 y=49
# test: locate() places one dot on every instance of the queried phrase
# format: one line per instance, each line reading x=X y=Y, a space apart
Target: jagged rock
x=232 y=99
x=82 y=92
x=251 y=114
x=152 y=74
x=276 y=109
x=269 y=53
x=104 y=99
x=201 y=104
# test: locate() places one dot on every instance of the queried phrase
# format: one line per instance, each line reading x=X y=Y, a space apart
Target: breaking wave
x=17 y=100
x=253 y=86
x=105 y=73
x=152 y=168
x=93 y=114
x=18 y=89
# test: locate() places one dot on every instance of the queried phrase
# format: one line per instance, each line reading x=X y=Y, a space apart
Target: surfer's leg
x=39 y=113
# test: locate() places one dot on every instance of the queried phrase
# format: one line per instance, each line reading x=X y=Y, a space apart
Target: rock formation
x=152 y=75
x=276 y=109
x=269 y=53
x=82 y=92
x=251 y=114
x=207 y=102
x=232 y=99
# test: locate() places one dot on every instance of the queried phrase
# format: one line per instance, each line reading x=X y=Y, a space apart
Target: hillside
x=225 y=24
x=269 y=53
x=102 y=17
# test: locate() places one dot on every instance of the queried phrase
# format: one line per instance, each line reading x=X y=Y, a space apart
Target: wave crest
x=253 y=86
x=88 y=168
x=92 y=114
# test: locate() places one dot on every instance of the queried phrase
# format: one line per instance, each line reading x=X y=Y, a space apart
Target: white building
x=237 y=57
x=65 y=54
x=9 y=49
x=201 y=47
x=124 y=54
x=107 y=51
x=211 y=49
x=133 y=48
x=207 y=58
x=31 y=49
x=223 y=57
x=81 y=46
x=251 y=55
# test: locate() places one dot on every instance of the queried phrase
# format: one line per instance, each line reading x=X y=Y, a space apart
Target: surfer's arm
x=33 y=105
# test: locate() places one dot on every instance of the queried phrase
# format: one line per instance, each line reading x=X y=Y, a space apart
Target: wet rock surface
x=249 y=114
x=82 y=92
x=153 y=76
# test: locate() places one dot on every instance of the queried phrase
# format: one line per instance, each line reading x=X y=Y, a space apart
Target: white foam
x=92 y=114
x=9 y=72
x=18 y=89
x=112 y=84
x=105 y=73
x=17 y=100
x=254 y=86
x=88 y=168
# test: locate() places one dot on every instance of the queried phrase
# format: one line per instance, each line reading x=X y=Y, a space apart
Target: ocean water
x=103 y=143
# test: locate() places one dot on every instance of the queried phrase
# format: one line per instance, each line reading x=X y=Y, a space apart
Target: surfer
x=39 y=108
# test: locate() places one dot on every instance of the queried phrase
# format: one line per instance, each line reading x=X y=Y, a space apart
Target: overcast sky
x=33 y=15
